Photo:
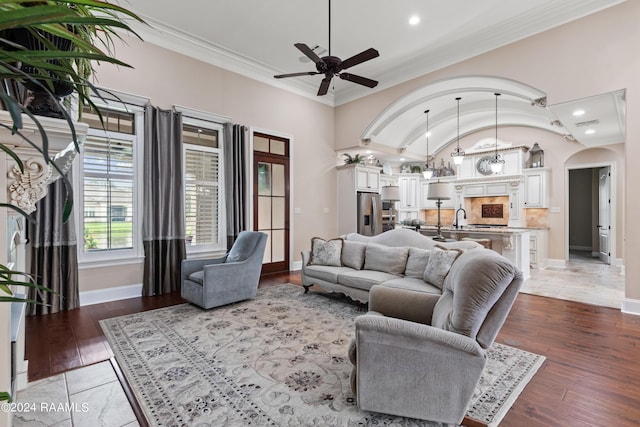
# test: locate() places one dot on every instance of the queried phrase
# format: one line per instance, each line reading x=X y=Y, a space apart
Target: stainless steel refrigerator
x=369 y=214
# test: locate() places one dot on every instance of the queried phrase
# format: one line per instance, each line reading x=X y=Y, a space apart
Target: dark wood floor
x=591 y=376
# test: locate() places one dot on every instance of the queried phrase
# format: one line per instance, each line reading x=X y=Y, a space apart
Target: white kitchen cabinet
x=431 y=204
x=409 y=192
x=514 y=159
x=536 y=188
x=367 y=179
x=515 y=208
x=386 y=180
x=350 y=180
x=538 y=248
x=486 y=190
x=467 y=169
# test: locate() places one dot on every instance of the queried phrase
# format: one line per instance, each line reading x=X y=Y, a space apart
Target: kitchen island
x=512 y=243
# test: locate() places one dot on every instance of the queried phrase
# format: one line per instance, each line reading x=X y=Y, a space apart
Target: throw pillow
x=389 y=259
x=326 y=252
x=417 y=263
x=353 y=254
x=440 y=262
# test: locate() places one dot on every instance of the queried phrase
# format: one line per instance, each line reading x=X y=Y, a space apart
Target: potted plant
x=88 y=28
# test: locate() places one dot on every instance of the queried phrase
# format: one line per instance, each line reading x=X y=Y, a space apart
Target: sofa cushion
x=391 y=260
x=364 y=279
x=197 y=277
x=417 y=263
x=326 y=272
x=326 y=252
x=440 y=262
x=353 y=254
x=412 y=284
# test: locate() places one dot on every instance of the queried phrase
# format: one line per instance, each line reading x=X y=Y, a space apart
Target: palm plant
x=89 y=28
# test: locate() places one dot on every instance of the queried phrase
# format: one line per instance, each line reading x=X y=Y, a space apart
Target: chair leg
x=306 y=288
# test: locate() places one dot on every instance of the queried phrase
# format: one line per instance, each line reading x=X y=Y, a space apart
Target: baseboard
x=580 y=248
x=110 y=294
x=595 y=254
x=296 y=265
x=557 y=263
x=631 y=306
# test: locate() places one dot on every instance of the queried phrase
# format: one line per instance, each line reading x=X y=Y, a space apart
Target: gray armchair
x=420 y=355
x=233 y=277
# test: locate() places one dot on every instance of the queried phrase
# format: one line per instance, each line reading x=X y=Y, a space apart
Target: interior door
x=271 y=199
x=604 y=214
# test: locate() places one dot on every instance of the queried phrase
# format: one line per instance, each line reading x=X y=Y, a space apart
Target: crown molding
x=168 y=37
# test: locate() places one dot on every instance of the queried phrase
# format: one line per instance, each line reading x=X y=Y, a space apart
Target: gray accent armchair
x=421 y=355
x=231 y=278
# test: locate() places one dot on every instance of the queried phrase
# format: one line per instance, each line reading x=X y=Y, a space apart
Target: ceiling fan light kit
x=458 y=154
x=332 y=66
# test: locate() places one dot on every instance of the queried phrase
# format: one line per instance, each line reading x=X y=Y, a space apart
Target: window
x=202 y=181
x=108 y=187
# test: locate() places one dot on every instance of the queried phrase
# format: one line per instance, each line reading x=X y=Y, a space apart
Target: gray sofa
x=396 y=258
x=421 y=355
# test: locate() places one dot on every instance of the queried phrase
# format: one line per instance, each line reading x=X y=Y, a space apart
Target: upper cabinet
x=536 y=188
x=409 y=191
x=367 y=179
x=386 y=180
x=477 y=165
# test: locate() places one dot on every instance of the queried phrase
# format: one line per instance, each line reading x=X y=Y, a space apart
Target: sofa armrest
x=306 y=257
x=434 y=371
x=414 y=306
x=190 y=266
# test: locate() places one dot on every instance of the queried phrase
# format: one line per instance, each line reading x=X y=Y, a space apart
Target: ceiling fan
x=333 y=66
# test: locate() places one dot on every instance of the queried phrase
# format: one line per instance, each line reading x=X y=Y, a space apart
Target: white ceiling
x=256 y=38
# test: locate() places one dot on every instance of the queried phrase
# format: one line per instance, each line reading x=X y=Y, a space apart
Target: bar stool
x=484 y=241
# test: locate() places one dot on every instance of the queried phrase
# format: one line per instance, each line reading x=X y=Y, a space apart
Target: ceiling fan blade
x=308 y=52
x=358 y=79
x=360 y=58
x=304 y=73
x=324 y=86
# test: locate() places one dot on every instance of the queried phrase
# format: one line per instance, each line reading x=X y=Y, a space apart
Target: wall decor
x=492 y=210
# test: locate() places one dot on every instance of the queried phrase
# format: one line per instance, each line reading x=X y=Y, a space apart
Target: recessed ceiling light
x=402 y=159
x=427 y=134
x=589 y=132
x=369 y=151
x=578 y=113
x=414 y=20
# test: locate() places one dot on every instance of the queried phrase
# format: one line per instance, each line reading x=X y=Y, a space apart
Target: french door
x=271 y=198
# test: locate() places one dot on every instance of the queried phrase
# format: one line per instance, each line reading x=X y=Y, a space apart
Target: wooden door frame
x=251 y=225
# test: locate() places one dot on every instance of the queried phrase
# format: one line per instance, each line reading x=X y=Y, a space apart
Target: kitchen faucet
x=455 y=224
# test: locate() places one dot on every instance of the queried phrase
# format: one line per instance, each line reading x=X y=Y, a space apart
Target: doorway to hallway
x=591 y=222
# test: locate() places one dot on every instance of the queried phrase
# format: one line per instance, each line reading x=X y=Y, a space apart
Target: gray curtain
x=54 y=254
x=235 y=175
x=163 y=230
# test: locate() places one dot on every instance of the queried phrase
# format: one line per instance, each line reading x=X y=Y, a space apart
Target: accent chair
x=234 y=277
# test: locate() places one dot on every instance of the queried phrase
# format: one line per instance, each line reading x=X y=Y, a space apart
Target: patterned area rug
x=278 y=360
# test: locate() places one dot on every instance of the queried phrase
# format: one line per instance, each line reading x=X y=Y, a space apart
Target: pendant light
x=496 y=162
x=458 y=154
x=427 y=172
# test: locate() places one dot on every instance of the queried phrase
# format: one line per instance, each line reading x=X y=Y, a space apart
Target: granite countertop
x=473 y=230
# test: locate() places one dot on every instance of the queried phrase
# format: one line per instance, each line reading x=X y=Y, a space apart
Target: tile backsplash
x=473 y=206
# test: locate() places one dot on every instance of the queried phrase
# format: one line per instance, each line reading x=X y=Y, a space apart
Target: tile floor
x=94 y=397
x=584 y=279
x=87 y=397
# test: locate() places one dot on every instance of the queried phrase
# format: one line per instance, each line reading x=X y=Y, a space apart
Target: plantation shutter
x=201 y=195
x=108 y=171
